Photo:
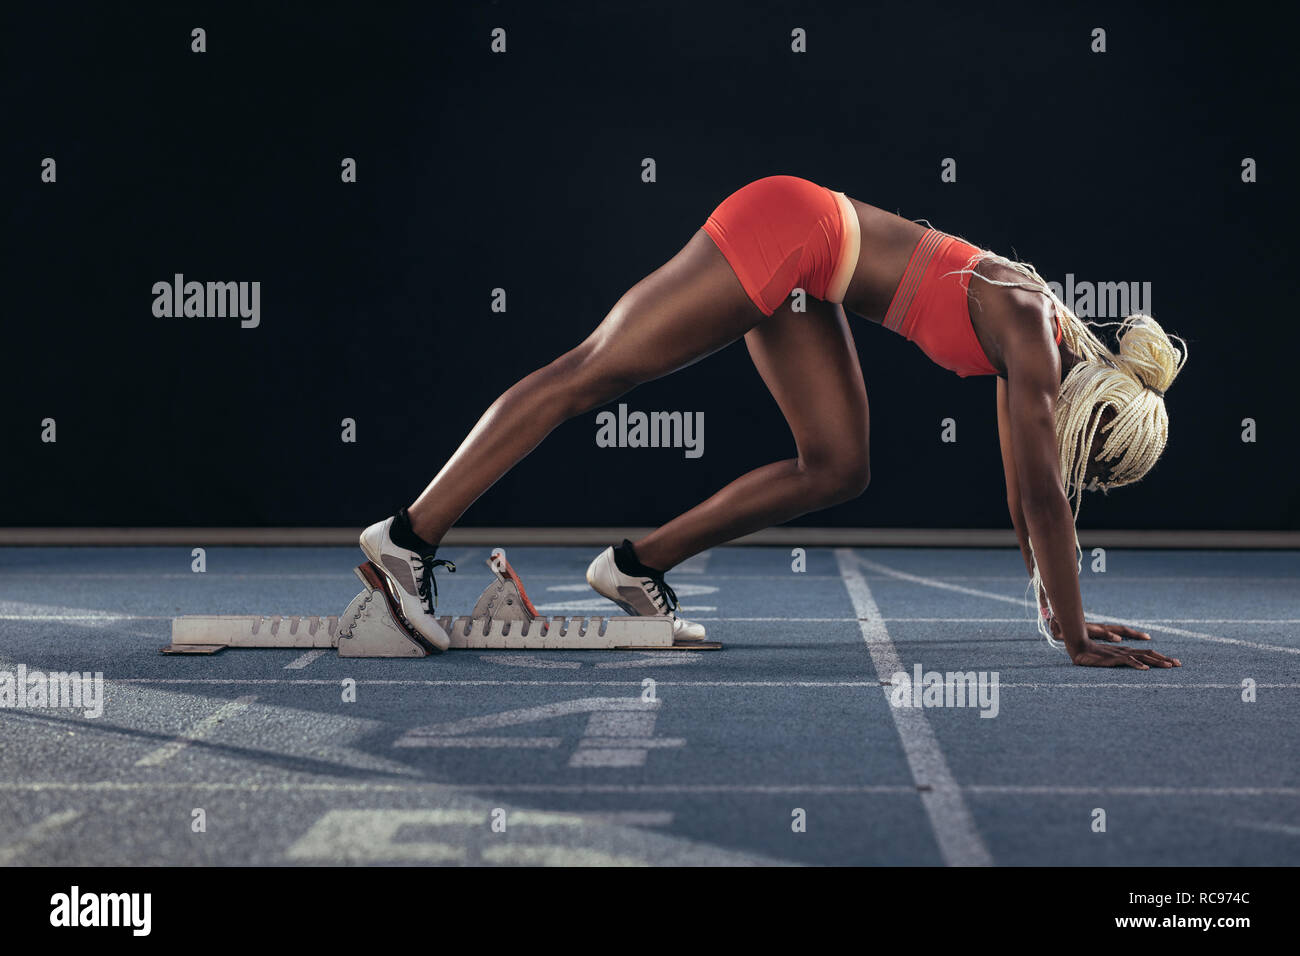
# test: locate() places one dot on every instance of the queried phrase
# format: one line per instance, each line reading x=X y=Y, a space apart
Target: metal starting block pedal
x=372 y=626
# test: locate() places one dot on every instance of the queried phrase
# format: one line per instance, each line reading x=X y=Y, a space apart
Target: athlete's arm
x=1033 y=379
x=1013 y=482
x=1098 y=632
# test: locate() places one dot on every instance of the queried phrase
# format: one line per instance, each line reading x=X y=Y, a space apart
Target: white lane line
x=464 y=556
x=198 y=732
x=699 y=564
x=1130 y=791
x=34 y=835
x=529 y=660
x=74 y=618
x=298 y=663
x=1287 y=829
x=761 y=789
x=989 y=620
x=1125 y=578
x=622 y=818
x=1198 y=635
x=936 y=583
x=527 y=743
x=190 y=575
x=954 y=829
x=1137 y=685
x=654 y=659
x=333 y=682
x=441 y=817
x=1095 y=614
x=594 y=682
x=1153 y=621
x=535 y=575
x=706 y=789
x=1225 y=620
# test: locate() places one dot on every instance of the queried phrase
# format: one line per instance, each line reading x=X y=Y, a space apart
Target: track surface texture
x=784 y=748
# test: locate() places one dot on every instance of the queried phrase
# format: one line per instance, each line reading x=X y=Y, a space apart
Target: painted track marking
x=196 y=733
x=954 y=828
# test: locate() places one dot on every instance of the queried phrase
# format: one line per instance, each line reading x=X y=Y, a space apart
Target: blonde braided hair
x=1132 y=383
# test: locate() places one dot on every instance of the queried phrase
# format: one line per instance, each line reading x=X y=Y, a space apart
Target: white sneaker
x=412 y=577
x=640 y=597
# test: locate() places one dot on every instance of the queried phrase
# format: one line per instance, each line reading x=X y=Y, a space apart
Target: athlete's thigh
x=686 y=309
x=809 y=363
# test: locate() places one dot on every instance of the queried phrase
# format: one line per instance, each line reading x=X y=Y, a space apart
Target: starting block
x=372 y=626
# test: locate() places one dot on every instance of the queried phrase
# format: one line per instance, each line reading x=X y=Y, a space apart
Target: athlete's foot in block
x=411 y=574
x=640 y=596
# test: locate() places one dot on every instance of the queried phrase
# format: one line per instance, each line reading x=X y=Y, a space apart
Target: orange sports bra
x=929 y=306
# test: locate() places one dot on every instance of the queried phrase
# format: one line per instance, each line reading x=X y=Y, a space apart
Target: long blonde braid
x=1131 y=382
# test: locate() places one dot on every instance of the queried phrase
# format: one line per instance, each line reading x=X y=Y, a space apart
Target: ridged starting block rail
x=371 y=626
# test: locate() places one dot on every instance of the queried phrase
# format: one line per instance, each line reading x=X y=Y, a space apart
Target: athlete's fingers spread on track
x=1158 y=660
x=1095 y=654
x=1136 y=660
x=1096 y=632
x=1115 y=633
x=1144 y=660
x=1130 y=633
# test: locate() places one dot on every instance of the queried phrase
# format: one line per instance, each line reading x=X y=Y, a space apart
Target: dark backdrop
x=522 y=171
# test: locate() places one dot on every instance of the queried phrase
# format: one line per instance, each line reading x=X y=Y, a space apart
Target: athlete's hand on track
x=1094 y=654
x=1105 y=632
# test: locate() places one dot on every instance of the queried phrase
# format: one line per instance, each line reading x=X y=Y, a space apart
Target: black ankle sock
x=626 y=560
x=405 y=537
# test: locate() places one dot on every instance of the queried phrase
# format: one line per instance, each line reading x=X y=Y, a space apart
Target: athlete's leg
x=683 y=311
x=809 y=363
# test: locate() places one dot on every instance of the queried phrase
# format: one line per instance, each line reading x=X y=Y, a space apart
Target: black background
x=522 y=171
